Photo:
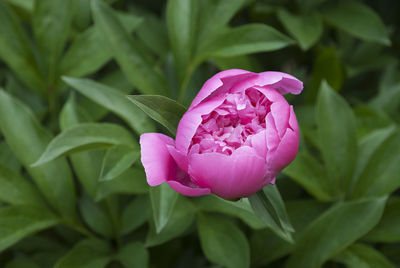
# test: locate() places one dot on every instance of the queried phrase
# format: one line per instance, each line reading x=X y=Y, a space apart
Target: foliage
x=73 y=192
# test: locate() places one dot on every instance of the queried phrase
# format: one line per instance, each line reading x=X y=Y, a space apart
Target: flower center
x=231 y=124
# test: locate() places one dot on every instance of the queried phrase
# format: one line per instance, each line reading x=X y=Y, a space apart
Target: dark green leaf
x=7 y=158
x=223 y=242
x=113 y=100
x=359 y=255
x=51 y=24
x=22 y=262
x=243 y=40
x=87 y=53
x=163 y=199
x=381 y=174
x=27 y=139
x=135 y=214
x=136 y=65
x=357 y=19
x=388 y=229
x=335 y=230
x=134 y=255
x=162 y=109
x=89 y=253
x=132 y=181
x=116 y=160
x=310 y=174
x=181 y=218
x=15 y=49
x=269 y=207
x=95 y=217
x=18 y=222
x=241 y=209
x=337 y=135
x=17 y=190
x=306 y=28
x=83 y=137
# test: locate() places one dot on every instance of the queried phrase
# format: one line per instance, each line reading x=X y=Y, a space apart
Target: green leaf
x=266 y=246
x=89 y=253
x=70 y=116
x=87 y=54
x=7 y=158
x=53 y=179
x=116 y=160
x=310 y=174
x=243 y=40
x=18 y=222
x=181 y=218
x=306 y=28
x=358 y=20
x=95 y=217
x=223 y=242
x=381 y=174
x=23 y=4
x=132 y=181
x=241 y=209
x=113 y=100
x=134 y=255
x=135 y=214
x=269 y=207
x=337 y=135
x=326 y=66
x=22 y=262
x=51 y=24
x=163 y=199
x=162 y=109
x=388 y=229
x=84 y=137
x=181 y=21
x=16 y=190
x=339 y=227
x=136 y=65
x=359 y=255
x=15 y=50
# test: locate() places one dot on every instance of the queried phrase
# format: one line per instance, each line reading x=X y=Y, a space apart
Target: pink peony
x=237 y=135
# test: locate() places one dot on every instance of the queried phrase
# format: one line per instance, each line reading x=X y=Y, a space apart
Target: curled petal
x=286 y=150
x=157 y=161
x=229 y=176
x=187 y=190
x=214 y=83
x=283 y=83
x=180 y=158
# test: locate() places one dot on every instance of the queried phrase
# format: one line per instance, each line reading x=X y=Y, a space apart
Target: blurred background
x=65 y=68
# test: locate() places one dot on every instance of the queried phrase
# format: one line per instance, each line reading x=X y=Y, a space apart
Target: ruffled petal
x=229 y=176
x=283 y=83
x=214 y=83
x=157 y=161
x=190 y=122
x=187 y=190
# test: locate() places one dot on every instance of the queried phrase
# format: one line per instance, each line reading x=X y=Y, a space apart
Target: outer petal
x=214 y=83
x=187 y=190
x=157 y=161
x=282 y=82
x=180 y=158
x=241 y=174
x=287 y=148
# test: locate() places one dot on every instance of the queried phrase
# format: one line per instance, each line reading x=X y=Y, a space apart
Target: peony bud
x=237 y=135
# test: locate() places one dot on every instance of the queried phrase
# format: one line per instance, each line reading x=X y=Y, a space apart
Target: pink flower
x=237 y=135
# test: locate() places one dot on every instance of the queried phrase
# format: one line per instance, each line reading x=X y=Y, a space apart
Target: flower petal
x=281 y=82
x=187 y=190
x=214 y=83
x=157 y=161
x=190 y=122
x=229 y=176
x=287 y=148
x=180 y=158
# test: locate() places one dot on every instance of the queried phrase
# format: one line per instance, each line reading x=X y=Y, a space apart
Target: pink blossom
x=237 y=135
